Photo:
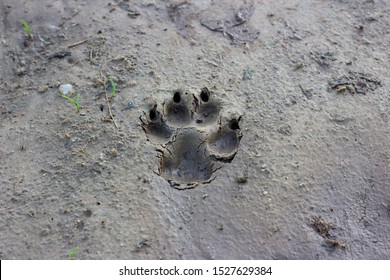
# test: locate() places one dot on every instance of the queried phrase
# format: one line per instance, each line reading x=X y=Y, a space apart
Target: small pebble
x=114 y=152
x=21 y=71
x=242 y=179
x=42 y=88
x=130 y=104
x=247 y=75
x=45 y=232
x=132 y=83
x=66 y=89
x=87 y=213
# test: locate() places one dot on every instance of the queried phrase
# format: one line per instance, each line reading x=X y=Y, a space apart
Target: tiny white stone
x=66 y=89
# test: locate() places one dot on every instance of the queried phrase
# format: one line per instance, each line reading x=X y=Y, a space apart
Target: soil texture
x=194 y=129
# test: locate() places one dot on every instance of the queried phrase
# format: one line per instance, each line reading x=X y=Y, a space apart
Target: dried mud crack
x=195 y=138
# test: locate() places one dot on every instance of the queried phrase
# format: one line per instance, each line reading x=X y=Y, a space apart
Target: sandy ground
x=306 y=81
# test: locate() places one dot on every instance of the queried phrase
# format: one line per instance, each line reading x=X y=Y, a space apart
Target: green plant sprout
x=74 y=101
x=26 y=27
x=113 y=88
x=73 y=252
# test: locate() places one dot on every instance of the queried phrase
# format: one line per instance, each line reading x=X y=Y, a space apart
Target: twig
x=109 y=110
x=107 y=99
x=210 y=62
x=78 y=43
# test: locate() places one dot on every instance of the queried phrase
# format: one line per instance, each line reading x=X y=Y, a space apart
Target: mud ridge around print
x=192 y=136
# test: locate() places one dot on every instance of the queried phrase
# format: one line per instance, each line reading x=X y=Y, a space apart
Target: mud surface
x=206 y=130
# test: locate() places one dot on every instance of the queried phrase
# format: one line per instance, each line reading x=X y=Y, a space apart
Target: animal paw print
x=194 y=135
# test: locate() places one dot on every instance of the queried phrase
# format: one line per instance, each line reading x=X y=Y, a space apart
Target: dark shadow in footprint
x=178 y=109
x=223 y=144
x=185 y=161
x=155 y=128
x=207 y=109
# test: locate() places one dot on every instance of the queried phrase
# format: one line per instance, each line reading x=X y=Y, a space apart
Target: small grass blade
x=26 y=27
x=113 y=88
x=73 y=252
x=74 y=101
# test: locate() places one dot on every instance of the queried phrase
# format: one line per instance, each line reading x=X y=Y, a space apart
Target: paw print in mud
x=194 y=136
